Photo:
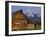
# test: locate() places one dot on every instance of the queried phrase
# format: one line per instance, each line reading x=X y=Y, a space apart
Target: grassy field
x=28 y=27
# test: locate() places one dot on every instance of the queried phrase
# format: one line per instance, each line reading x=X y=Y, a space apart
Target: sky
x=27 y=9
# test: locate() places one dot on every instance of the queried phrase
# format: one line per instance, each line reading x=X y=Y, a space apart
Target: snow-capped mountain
x=34 y=18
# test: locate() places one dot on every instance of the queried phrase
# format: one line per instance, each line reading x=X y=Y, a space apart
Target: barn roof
x=20 y=15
